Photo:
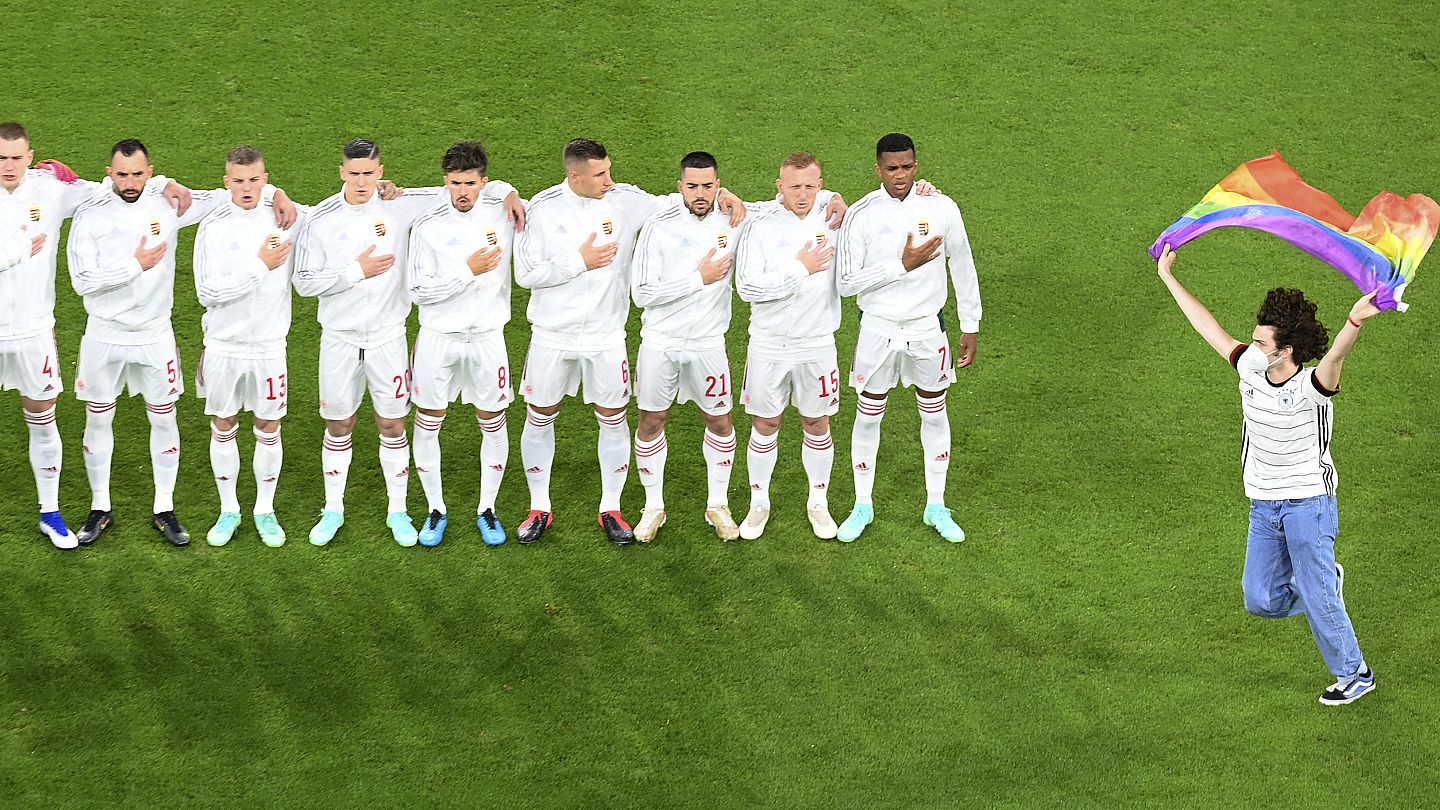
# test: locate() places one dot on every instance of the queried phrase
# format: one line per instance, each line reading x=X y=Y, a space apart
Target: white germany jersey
x=1285 y=452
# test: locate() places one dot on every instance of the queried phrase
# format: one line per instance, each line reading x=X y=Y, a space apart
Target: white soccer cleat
x=720 y=518
x=821 y=522
x=754 y=524
x=650 y=522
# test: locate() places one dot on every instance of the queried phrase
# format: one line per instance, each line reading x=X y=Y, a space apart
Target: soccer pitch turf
x=1086 y=646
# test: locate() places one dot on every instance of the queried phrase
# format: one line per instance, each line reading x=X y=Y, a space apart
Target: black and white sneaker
x=96 y=526
x=1342 y=692
x=167 y=524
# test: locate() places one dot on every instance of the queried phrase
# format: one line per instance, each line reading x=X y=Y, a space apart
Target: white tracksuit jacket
x=247 y=305
x=453 y=300
x=791 y=309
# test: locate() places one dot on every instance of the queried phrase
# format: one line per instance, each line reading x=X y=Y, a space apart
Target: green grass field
x=1087 y=646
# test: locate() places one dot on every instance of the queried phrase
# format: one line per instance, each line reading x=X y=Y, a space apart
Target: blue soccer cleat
x=224 y=529
x=433 y=531
x=54 y=528
x=490 y=529
x=270 y=532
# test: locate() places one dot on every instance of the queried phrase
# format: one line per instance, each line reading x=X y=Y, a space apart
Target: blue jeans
x=1290 y=570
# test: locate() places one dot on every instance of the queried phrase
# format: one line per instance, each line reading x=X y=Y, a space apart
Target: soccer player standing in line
x=1290 y=478
x=242 y=277
x=892 y=254
x=122 y=262
x=575 y=255
x=351 y=255
x=460 y=278
x=783 y=270
x=33 y=204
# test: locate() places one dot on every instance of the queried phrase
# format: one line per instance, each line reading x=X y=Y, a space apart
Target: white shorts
x=880 y=362
x=664 y=377
x=346 y=370
x=810 y=381
x=476 y=371
x=31 y=366
x=553 y=374
x=230 y=385
x=151 y=370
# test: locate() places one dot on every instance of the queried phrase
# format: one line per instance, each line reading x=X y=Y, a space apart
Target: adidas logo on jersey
x=174 y=391
x=720 y=403
x=236 y=245
x=835 y=401
x=48 y=388
x=453 y=242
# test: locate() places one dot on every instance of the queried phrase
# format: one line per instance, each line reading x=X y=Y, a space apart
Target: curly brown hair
x=1293 y=318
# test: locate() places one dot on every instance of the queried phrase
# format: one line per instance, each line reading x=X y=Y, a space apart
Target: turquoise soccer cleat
x=860 y=517
x=402 y=529
x=224 y=529
x=324 y=531
x=939 y=517
x=270 y=532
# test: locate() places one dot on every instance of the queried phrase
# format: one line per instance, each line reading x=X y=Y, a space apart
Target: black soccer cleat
x=533 y=527
x=616 y=528
x=96 y=525
x=167 y=524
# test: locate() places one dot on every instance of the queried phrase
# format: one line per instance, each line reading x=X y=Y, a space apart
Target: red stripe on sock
x=93 y=408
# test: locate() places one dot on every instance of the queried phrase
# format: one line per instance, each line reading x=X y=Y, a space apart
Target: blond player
x=893 y=256
x=242 y=278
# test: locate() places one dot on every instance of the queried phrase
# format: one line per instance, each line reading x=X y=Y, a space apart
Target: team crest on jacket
x=819 y=239
x=924 y=227
x=274 y=241
x=154 y=227
x=491 y=238
x=379 y=227
x=34 y=213
x=607 y=226
x=721 y=240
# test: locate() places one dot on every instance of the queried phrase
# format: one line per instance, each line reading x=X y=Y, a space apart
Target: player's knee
x=607 y=412
x=390 y=428
x=224 y=423
x=438 y=413
x=340 y=428
x=267 y=425
x=719 y=424
x=766 y=426
x=37 y=405
x=815 y=425
x=651 y=424
x=547 y=410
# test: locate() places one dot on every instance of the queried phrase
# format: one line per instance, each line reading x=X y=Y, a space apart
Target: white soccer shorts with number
x=230 y=385
x=31 y=366
x=346 y=370
x=880 y=362
x=151 y=370
x=664 y=377
x=809 y=380
x=553 y=374
x=474 y=370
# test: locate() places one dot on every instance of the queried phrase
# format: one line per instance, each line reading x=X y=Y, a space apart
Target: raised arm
x=1199 y=316
x=1327 y=372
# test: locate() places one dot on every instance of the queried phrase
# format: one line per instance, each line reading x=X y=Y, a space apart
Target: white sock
x=935 y=441
x=268 y=456
x=537 y=453
x=395 y=466
x=225 y=463
x=335 y=457
x=427 y=460
x=719 y=452
x=818 y=455
x=760 y=461
x=494 y=452
x=45 y=457
x=99 y=447
x=613 y=449
x=865 y=445
x=650 y=463
x=164 y=454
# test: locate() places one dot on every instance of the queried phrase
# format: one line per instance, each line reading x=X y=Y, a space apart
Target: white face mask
x=1256 y=361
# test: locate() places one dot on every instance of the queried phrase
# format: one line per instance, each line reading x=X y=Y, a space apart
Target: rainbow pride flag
x=1378 y=250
